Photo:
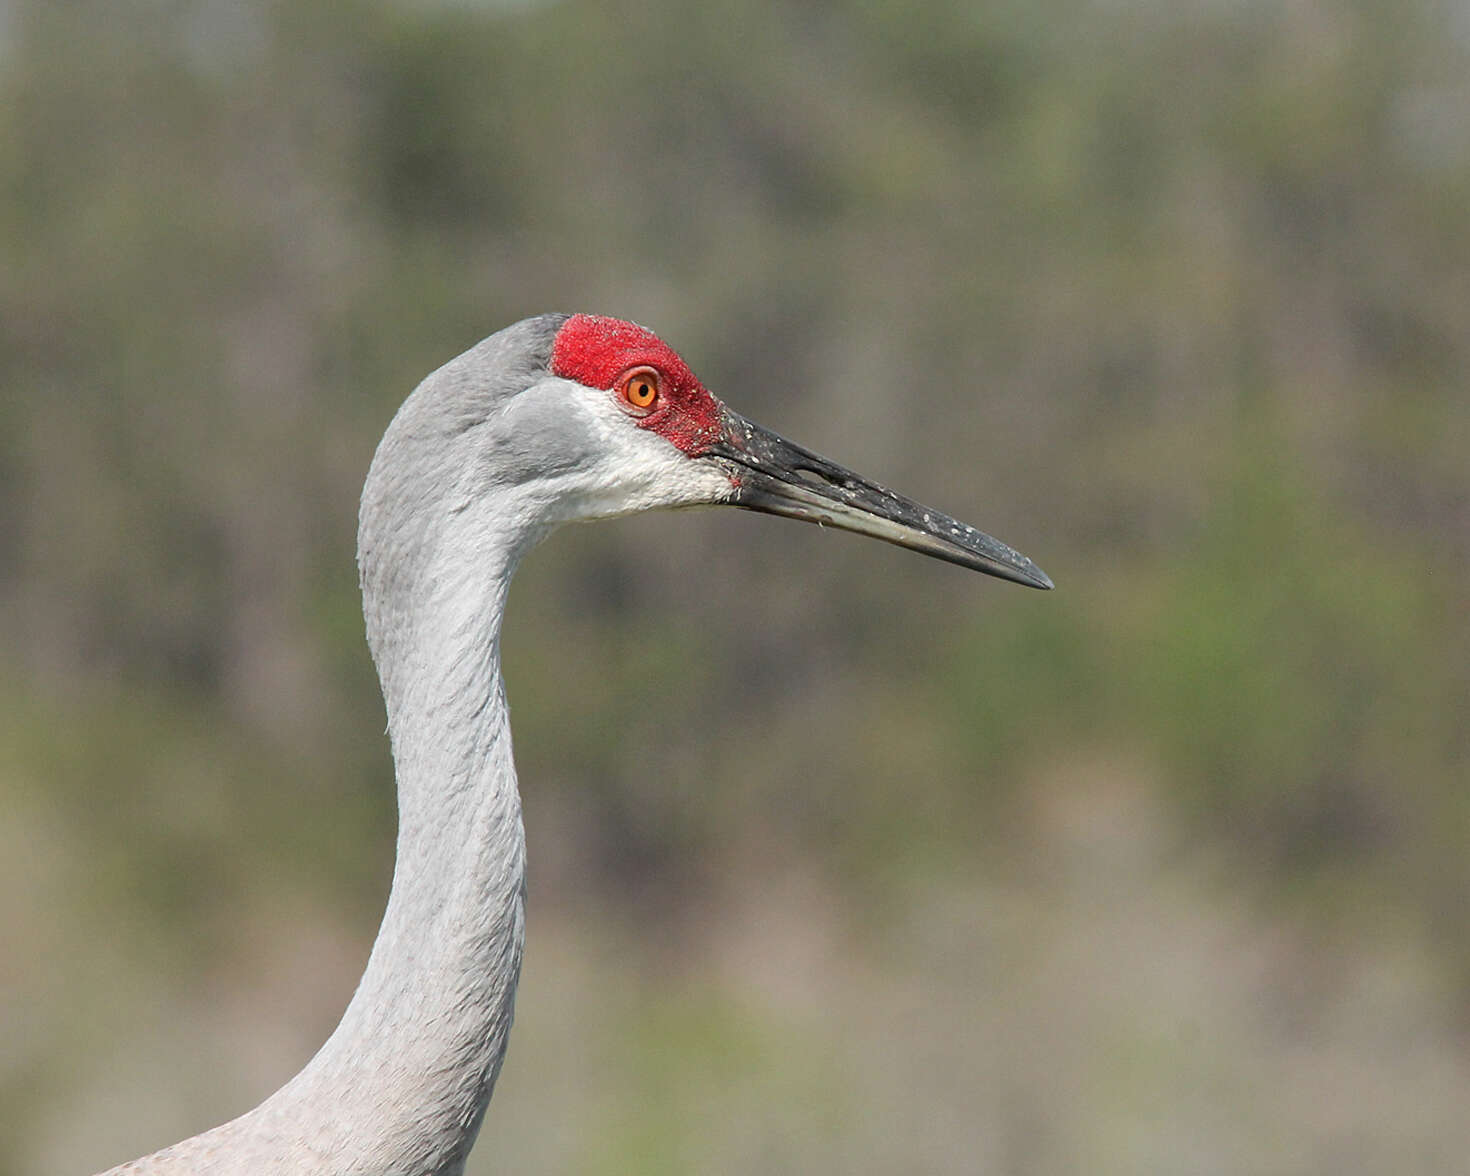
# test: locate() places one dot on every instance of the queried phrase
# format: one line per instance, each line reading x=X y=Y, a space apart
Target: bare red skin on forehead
x=595 y=350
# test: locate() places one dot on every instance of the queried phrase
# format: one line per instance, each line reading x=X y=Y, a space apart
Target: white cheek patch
x=637 y=469
x=561 y=452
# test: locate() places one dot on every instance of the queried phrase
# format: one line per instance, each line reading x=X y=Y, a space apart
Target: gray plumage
x=487 y=455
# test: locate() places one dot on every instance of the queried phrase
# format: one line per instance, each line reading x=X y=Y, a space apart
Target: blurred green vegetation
x=1174 y=297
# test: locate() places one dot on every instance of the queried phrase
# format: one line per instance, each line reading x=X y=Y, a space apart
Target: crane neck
x=403 y=1083
x=427 y=1029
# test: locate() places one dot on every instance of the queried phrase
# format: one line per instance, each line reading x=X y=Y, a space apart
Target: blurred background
x=842 y=860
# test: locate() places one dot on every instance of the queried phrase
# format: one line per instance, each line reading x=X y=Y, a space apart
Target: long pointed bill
x=778 y=477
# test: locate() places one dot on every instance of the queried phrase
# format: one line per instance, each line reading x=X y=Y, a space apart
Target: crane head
x=562 y=418
x=727 y=459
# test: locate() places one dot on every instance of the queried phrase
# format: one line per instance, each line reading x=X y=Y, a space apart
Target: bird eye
x=640 y=387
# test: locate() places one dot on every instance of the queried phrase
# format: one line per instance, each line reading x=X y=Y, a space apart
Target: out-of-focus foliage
x=1175 y=297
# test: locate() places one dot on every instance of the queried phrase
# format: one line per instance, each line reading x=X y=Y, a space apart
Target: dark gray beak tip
x=1039 y=579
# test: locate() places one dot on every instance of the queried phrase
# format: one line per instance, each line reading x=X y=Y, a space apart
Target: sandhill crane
x=555 y=419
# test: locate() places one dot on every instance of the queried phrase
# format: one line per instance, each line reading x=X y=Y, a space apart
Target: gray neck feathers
x=406 y=1077
x=402 y=1084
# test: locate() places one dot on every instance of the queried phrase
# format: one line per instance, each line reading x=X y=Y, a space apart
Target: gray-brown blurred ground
x=842 y=860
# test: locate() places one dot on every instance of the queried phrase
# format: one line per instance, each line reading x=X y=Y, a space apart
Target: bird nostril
x=814 y=477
